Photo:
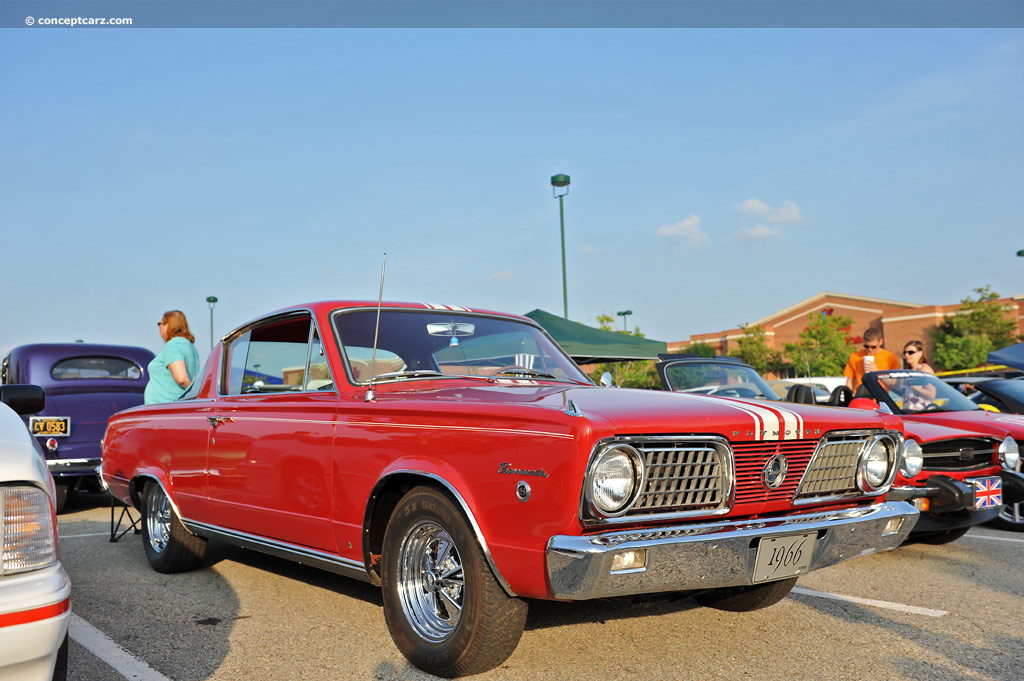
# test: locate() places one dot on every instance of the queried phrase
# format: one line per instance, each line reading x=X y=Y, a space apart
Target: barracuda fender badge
x=506 y=469
x=774 y=471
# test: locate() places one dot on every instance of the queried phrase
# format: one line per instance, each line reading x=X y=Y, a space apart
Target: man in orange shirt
x=873 y=357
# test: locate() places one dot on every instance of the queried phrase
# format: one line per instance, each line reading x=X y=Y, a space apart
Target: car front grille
x=751 y=458
x=683 y=475
x=833 y=470
x=959 y=454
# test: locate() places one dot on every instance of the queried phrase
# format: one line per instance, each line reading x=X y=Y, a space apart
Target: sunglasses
x=911 y=352
x=871 y=347
x=161 y=323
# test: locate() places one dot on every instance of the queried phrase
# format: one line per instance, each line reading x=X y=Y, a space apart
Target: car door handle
x=218 y=420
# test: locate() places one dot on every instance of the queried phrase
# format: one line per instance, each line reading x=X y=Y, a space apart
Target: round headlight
x=913 y=459
x=876 y=464
x=615 y=479
x=1009 y=453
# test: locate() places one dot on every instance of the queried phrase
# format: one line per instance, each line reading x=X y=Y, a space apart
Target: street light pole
x=212 y=300
x=624 y=314
x=562 y=182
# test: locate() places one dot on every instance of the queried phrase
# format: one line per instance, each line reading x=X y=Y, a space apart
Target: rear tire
x=444 y=609
x=60 y=502
x=747 y=598
x=169 y=546
x=943 y=537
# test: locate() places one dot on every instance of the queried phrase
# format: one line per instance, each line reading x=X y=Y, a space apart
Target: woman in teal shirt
x=172 y=371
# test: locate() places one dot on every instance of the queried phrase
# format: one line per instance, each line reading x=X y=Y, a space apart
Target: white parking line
x=100 y=645
x=912 y=609
x=993 y=538
x=91 y=534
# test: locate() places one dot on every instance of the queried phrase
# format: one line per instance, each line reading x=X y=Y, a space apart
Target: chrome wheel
x=1013 y=513
x=430 y=581
x=158 y=520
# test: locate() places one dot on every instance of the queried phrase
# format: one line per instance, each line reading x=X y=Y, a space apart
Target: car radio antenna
x=376 y=330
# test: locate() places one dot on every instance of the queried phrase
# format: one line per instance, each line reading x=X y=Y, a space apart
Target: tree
x=824 y=346
x=637 y=374
x=963 y=340
x=700 y=348
x=752 y=348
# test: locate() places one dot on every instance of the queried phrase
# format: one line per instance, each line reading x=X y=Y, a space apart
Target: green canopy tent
x=587 y=345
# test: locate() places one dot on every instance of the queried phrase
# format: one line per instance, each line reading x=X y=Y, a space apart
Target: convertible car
x=921 y=398
x=460 y=460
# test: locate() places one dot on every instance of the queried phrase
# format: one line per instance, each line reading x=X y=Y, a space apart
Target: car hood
x=624 y=410
x=925 y=432
x=980 y=421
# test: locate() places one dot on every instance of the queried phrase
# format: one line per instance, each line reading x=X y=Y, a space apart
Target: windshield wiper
x=411 y=373
x=521 y=371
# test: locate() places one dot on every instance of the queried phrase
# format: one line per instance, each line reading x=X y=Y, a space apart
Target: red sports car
x=962 y=469
x=460 y=460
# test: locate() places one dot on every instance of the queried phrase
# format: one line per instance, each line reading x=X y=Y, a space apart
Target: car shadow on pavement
x=545 y=614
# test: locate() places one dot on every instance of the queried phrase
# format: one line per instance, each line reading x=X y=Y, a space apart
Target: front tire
x=169 y=546
x=444 y=609
x=747 y=598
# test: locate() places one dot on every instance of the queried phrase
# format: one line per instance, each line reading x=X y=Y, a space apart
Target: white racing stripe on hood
x=758 y=415
x=779 y=423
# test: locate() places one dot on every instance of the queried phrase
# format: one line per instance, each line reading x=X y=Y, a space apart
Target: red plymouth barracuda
x=971 y=478
x=460 y=460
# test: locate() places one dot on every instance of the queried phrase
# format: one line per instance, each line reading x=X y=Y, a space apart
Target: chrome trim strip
x=716 y=554
x=465 y=509
x=133 y=485
x=728 y=466
x=68 y=462
x=299 y=554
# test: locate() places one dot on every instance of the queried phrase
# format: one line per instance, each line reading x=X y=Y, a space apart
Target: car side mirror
x=24 y=399
x=864 y=403
x=606 y=379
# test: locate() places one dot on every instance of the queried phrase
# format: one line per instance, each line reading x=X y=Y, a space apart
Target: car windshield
x=717 y=378
x=428 y=343
x=913 y=392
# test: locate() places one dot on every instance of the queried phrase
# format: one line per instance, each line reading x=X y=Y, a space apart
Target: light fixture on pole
x=1020 y=254
x=212 y=300
x=559 y=188
x=624 y=314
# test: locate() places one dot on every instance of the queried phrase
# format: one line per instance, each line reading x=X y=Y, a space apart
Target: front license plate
x=988 y=492
x=781 y=557
x=50 y=426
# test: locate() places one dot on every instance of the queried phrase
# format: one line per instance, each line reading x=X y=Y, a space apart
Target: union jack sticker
x=988 y=492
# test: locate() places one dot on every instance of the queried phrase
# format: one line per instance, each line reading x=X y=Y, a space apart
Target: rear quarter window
x=96 y=367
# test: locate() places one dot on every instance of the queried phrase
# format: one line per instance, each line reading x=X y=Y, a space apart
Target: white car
x=35 y=594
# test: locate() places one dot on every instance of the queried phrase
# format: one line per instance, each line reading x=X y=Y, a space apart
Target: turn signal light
x=635 y=559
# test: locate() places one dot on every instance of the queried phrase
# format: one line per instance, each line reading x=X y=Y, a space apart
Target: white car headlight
x=615 y=480
x=913 y=458
x=876 y=463
x=1009 y=453
x=27 y=526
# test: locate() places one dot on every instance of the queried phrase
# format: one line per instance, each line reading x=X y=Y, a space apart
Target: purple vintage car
x=85 y=384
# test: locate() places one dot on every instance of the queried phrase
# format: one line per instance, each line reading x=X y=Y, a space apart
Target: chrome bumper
x=717 y=554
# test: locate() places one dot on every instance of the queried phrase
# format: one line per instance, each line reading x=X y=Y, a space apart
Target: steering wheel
x=931 y=407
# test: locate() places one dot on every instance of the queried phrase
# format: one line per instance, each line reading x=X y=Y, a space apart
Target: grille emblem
x=967 y=453
x=774 y=471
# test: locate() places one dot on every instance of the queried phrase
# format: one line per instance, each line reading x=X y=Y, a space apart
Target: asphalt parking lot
x=920 y=612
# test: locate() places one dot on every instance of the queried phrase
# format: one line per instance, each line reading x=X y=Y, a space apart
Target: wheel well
x=137 y=487
x=383 y=501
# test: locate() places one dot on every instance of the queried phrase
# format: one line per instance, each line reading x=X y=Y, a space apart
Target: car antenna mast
x=376 y=330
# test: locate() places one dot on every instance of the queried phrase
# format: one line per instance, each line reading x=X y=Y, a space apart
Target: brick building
x=899 y=321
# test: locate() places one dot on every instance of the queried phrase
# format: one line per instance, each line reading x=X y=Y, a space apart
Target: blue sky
x=717 y=175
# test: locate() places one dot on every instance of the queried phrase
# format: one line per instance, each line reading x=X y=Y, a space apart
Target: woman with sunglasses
x=176 y=366
x=916 y=397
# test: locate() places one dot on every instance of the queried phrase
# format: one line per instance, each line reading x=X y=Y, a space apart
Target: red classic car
x=460 y=460
x=962 y=471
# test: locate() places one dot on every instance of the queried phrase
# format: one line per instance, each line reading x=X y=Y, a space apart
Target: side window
x=276 y=359
x=361 y=360
x=318 y=377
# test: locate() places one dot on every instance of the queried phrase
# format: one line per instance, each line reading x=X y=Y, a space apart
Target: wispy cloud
x=502 y=275
x=687 y=230
x=754 y=207
x=587 y=249
x=761 y=232
x=788 y=212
